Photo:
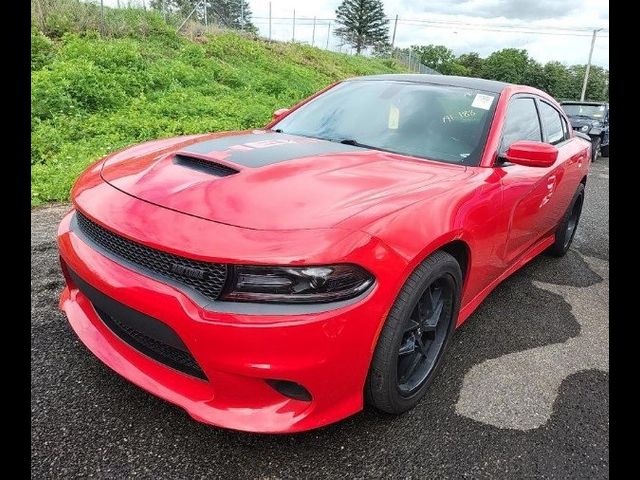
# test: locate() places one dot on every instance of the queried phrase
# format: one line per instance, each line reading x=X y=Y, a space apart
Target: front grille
x=204 y=277
x=146 y=334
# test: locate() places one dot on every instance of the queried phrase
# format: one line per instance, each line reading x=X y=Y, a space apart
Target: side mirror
x=280 y=112
x=531 y=154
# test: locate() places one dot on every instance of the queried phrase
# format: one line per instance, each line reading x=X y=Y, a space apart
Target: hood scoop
x=203 y=165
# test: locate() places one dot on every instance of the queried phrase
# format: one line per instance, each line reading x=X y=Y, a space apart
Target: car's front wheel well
x=460 y=251
x=584 y=180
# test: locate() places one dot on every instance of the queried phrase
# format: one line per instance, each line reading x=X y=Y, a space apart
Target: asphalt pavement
x=523 y=393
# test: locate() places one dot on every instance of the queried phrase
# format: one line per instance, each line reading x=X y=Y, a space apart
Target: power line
x=541 y=30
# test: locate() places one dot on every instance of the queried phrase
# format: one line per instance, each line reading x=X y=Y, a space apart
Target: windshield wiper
x=355 y=143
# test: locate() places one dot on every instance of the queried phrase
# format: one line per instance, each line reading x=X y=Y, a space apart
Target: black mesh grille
x=206 y=166
x=206 y=278
x=176 y=358
x=146 y=334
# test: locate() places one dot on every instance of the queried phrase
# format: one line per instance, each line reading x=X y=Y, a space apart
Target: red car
x=275 y=280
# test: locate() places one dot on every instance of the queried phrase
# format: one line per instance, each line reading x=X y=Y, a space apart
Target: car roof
x=578 y=102
x=452 y=80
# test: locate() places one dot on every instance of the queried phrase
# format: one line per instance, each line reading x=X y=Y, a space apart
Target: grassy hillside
x=92 y=94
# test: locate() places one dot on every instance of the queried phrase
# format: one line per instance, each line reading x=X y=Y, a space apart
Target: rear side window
x=521 y=123
x=551 y=123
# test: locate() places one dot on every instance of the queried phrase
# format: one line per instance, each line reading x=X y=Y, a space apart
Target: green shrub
x=42 y=50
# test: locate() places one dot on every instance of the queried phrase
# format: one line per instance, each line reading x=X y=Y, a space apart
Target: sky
x=461 y=25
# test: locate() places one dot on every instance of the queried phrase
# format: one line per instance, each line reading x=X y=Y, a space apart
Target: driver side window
x=521 y=123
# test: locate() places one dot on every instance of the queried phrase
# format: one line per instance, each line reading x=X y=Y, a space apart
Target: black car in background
x=591 y=118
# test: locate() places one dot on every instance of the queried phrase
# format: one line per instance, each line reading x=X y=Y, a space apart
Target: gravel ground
x=524 y=390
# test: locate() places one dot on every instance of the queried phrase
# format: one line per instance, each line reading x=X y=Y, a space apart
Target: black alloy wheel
x=415 y=335
x=424 y=335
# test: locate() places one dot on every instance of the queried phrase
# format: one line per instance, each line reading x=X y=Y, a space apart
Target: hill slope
x=91 y=95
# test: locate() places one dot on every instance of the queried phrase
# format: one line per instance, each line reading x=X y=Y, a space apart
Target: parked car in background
x=276 y=279
x=591 y=118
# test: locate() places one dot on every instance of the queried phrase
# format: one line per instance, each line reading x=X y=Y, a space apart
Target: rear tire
x=596 y=150
x=415 y=335
x=567 y=228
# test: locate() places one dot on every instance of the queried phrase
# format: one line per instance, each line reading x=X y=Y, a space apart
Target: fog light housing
x=290 y=389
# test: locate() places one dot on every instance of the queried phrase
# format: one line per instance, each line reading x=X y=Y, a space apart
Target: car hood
x=272 y=181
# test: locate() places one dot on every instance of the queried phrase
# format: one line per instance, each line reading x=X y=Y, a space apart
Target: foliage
x=235 y=14
x=54 y=18
x=91 y=95
x=516 y=66
x=437 y=57
x=362 y=23
x=508 y=65
x=472 y=62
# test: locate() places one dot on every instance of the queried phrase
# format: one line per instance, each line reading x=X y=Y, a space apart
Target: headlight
x=584 y=128
x=316 y=284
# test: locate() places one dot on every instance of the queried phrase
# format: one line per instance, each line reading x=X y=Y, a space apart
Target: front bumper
x=328 y=352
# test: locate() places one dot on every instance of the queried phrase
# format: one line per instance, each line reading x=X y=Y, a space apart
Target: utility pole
x=206 y=19
x=102 y=16
x=586 y=72
x=313 y=34
x=293 y=36
x=269 y=20
x=328 y=33
x=395 y=26
x=242 y=14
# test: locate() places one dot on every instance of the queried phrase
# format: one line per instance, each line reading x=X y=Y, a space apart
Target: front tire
x=415 y=335
x=567 y=228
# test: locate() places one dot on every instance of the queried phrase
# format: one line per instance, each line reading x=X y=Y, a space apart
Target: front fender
x=468 y=212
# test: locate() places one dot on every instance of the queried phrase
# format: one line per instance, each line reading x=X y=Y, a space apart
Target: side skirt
x=533 y=252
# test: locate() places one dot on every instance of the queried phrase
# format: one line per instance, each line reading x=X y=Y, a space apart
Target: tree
x=233 y=14
x=440 y=58
x=433 y=56
x=597 y=86
x=559 y=82
x=362 y=23
x=507 y=65
x=472 y=62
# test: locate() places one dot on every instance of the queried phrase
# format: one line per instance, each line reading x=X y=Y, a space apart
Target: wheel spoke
x=422 y=346
x=435 y=295
x=432 y=322
x=408 y=346
x=415 y=361
x=413 y=325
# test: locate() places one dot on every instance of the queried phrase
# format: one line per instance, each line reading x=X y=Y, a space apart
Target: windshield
x=591 y=111
x=436 y=122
